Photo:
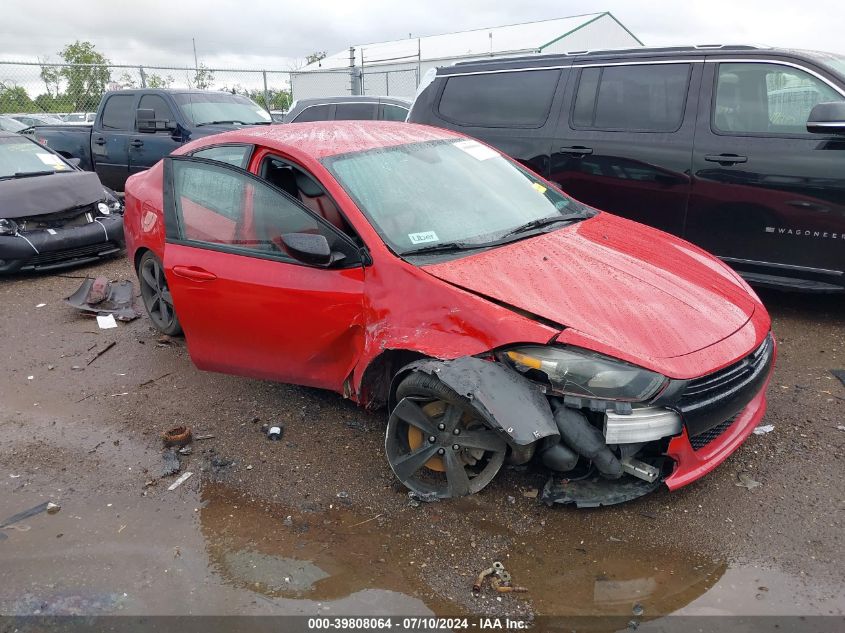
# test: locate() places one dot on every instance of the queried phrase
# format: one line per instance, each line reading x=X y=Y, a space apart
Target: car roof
x=352 y=99
x=329 y=138
x=552 y=60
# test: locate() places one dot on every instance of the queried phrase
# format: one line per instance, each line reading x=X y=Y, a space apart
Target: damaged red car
x=498 y=319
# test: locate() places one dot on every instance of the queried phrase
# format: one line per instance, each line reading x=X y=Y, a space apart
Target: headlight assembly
x=585 y=374
x=8 y=227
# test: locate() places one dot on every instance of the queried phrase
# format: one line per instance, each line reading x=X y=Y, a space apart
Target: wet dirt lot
x=315 y=524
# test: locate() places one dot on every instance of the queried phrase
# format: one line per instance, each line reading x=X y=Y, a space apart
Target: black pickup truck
x=134 y=129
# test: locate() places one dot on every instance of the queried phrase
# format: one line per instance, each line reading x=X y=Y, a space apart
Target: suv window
x=237 y=155
x=157 y=104
x=117 y=112
x=508 y=99
x=765 y=98
x=313 y=113
x=638 y=98
x=220 y=206
x=355 y=111
x=390 y=112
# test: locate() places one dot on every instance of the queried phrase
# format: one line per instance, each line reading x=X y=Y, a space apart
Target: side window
x=508 y=99
x=355 y=111
x=220 y=206
x=117 y=113
x=237 y=155
x=638 y=98
x=313 y=113
x=159 y=105
x=765 y=98
x=390 y=112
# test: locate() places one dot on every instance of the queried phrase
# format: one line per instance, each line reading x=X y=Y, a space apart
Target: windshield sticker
x=538 y=187
x=422 y=238
x=52 y=161
x=476 y=150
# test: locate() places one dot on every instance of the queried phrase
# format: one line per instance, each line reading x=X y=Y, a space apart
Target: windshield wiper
x=541 y=222
x=445 y=247
x=229 y=122
x=32 y=174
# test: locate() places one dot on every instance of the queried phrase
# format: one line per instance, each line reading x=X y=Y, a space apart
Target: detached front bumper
x=44 y=250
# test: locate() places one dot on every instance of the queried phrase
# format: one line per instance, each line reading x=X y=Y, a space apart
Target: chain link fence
x=54 y=90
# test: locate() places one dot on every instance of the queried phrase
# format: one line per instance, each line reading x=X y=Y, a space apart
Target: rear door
x=510 y=110
x=768 y=197
x=110 y=139
x=147 y=148
x=247 y=307
x=625 y=137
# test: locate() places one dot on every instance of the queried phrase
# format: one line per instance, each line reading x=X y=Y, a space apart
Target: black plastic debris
x=170 y=463
x=47 y=506
x=595 y=491
x=839 y=373
x=100 y=296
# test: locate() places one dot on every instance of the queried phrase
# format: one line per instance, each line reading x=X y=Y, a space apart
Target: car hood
x=42 y=195
x=633 y=288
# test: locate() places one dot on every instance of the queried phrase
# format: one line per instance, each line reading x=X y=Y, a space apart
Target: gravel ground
x=326 y=490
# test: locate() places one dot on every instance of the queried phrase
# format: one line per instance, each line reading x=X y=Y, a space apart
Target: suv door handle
x=136 y=142
x=99 y=141
x=194 y=272
x=725 y=159
x=576 y=150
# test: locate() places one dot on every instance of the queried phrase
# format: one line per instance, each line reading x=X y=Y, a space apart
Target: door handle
x=193 y=272
x=725 y=159
x=137 y=142
x=99 y=141
x=577 y=150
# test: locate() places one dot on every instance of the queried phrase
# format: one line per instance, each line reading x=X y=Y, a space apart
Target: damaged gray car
x=52 y=214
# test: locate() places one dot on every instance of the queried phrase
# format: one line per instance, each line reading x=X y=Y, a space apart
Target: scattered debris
x=152 y=380
x=500 y=580
x=841 y=427
x=182 y=479
x=178 y=436
x=170 y=464
x=274 y=433
x=47 y=506
x=199 y=438
x=839 y=373
x=163 y=341
x=41 y=305
x=342 y=495
x=52 y=508
x=531 y=493
x=288 y=521
x=365 y=521
x=186 y=450
x=106 y=322
x=746 y=481
x=637 y=609
x=103 y=297
x=417 y=497
x=763 y=429
x=219 y=464
x=249 y=467
x=30 y=377
x=96 y=446
x=14 y=476
x=101 y=352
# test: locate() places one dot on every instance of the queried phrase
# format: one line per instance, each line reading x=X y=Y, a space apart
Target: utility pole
x=196 y=65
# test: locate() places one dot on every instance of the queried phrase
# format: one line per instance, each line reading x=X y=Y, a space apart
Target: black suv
x=738 y=149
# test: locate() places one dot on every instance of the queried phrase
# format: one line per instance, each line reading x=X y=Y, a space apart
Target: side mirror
x=74 y=162
x=827 y=118
x=148 y=123
x=309 y=248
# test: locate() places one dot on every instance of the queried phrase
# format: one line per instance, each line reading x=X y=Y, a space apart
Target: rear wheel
x=437 y=443
x=156 y=295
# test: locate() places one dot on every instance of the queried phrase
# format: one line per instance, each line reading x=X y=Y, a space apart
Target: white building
x=395 y=67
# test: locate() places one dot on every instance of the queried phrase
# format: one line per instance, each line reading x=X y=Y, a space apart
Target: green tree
x=157 y=81
x=278 y=99
x=315 y=57
x=51 y=77
x=127 y=80
x=203 y=78
x=13 y=98
x=87 y=79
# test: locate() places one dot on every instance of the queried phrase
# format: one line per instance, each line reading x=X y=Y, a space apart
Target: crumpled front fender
x=507 y=401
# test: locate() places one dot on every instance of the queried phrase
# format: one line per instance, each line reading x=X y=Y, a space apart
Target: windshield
x=9 y=124
x=220 y=107
x=443 y=192
x=19 y=156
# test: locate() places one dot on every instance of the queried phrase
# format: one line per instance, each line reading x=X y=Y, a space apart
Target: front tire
x=156 y=295
x=437 y=443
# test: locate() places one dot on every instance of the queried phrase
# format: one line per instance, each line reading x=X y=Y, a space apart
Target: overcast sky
x=274 y=34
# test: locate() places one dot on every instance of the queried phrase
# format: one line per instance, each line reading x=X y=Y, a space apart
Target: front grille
x=708 y=401
x=703 y=439
x=80 y=252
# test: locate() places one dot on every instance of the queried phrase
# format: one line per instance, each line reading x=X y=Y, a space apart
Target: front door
x=247 y=307
x=147 y=148
x=768 y=197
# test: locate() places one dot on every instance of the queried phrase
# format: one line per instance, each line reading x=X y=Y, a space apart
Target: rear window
x=641 y=98
x=507 y=99
x=355 y=111
x=313 y=113
x=117 y=113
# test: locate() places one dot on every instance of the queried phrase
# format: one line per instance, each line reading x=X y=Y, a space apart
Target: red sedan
x=498 y=319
